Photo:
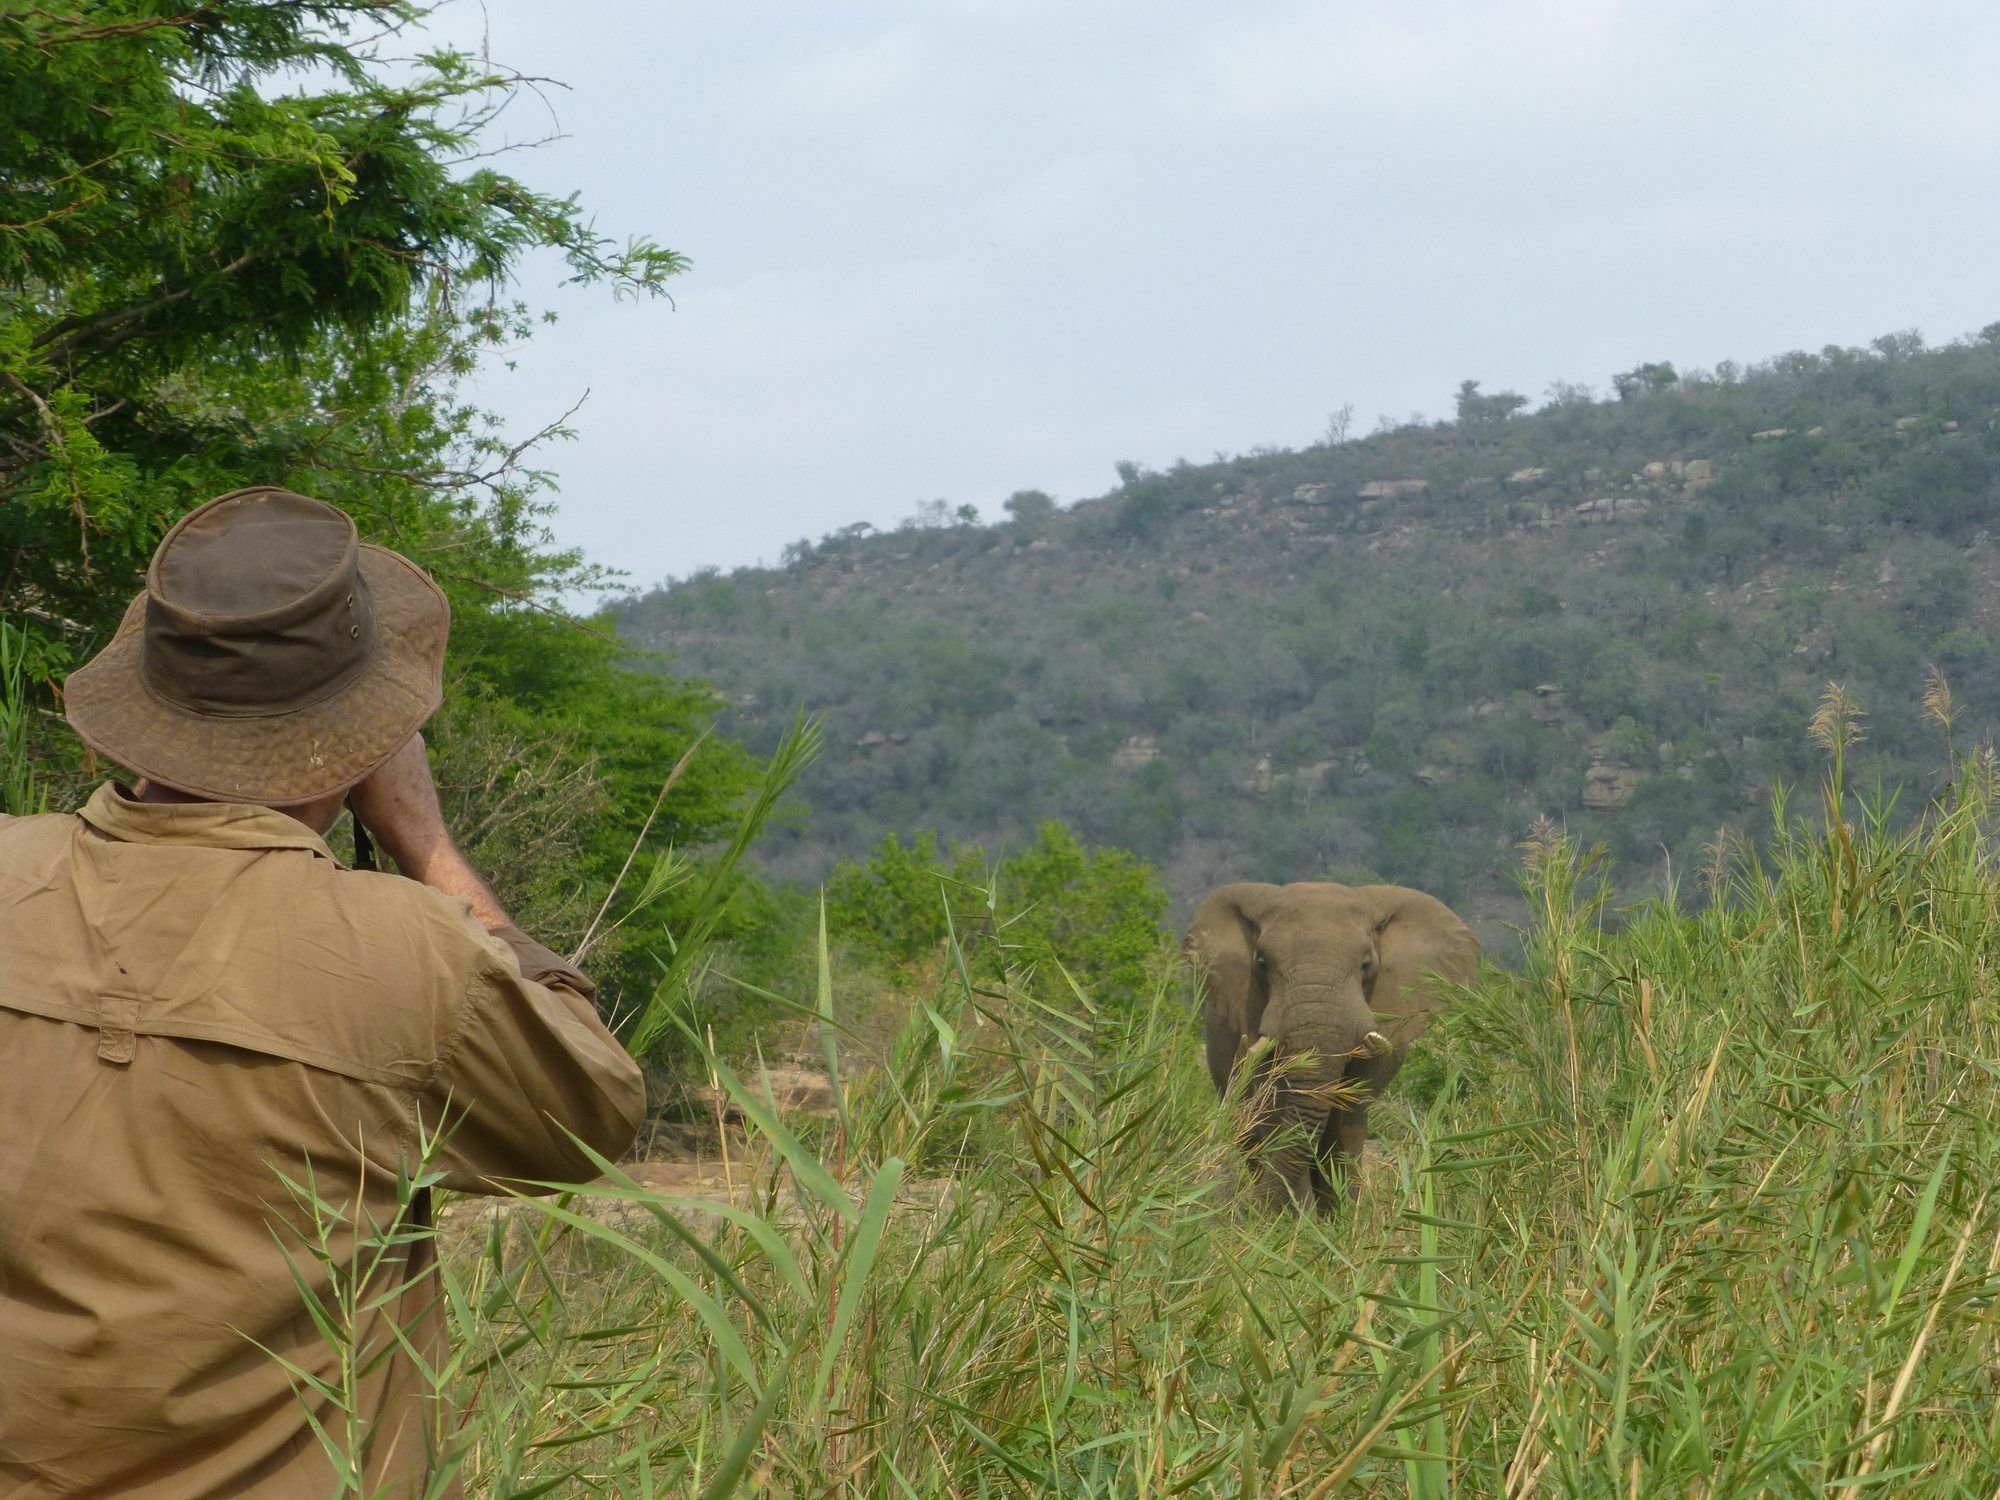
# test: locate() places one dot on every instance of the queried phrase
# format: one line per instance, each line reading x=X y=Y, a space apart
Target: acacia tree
x=241 y=243
x=210 y=219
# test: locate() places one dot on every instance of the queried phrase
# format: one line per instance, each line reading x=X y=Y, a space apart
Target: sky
x=957 y=248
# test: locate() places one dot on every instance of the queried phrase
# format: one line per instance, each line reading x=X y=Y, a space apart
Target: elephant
x=1338 y=979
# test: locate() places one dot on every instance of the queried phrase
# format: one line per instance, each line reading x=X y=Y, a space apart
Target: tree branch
x=61 y=340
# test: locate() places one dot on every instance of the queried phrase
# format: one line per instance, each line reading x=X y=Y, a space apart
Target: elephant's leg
x=1281 y=1142
x=1285 y=1174
x=1338 y=1166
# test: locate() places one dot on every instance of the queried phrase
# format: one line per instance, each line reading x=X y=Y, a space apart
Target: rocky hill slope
x=1390 y=656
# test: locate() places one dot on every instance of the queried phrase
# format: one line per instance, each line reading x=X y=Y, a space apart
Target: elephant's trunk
x=1317 y=1031
x=1325 y=1027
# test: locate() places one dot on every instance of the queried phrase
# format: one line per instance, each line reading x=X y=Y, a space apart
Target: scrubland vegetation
x=1388 y=655
x=1691 y=1204
x=1693 y=1195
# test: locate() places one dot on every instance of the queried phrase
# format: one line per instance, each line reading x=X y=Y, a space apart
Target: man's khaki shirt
x=195 y=999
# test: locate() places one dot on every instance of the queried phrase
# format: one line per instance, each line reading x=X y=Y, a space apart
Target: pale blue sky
x=954 y=248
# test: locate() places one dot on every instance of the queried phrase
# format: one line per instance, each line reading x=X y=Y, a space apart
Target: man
x=195 y=998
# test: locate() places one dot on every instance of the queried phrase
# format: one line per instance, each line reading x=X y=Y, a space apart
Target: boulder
x=1904 y=424
x=874 y=739
x=1306 y=774
x=1770 y=434
x=1137 y=751
x=1610 y=508
x=1606 y=788
x=1260 y=780
x=1698 y=473
x=1527 y=476
x=1312 y=494
x=1391 y=489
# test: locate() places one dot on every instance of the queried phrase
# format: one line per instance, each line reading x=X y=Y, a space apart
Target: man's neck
x=151 y=791
x=319 y=815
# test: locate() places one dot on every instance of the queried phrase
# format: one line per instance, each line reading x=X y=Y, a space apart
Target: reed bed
x=1691 y=1203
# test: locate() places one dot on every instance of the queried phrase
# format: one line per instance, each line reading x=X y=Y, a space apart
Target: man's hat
x=273 y=657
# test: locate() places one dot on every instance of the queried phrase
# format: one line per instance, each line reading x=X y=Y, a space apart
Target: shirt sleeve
x=529 y=1066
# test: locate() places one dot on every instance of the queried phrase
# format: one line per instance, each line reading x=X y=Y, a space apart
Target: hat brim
x=297 y=756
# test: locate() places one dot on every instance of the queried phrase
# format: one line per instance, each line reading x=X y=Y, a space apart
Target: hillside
x=1393 y=654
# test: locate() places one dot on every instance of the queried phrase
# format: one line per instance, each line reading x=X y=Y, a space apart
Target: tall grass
x=21 y=792
x=1701 y=1205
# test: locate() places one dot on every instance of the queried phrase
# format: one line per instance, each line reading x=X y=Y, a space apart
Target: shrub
x=1097 y=911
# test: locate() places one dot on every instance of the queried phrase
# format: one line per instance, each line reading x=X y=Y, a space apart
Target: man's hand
x=398 y=805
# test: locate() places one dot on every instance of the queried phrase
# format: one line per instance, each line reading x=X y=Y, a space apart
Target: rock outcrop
x=1606 y=788
x=1392 y=489
x=1610 y=508
x=1139 y=750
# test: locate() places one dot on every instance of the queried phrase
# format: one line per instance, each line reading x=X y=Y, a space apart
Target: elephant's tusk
x=1377 y=1045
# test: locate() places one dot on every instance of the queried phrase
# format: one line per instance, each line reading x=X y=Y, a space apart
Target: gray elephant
x=1337 y=979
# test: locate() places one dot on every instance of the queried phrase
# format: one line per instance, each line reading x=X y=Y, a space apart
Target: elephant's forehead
x=1326 y=903
x=1329 y=916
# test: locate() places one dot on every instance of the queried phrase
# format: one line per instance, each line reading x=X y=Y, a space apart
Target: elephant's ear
x=1416 y=935
x=1222 y=940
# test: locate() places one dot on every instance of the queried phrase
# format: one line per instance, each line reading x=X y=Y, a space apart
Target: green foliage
x=1691 y=1204
x=685 y=956
x=1031 y=509
x=1323 y=643
x=249 y=243
x=1475 y=408
x=20 y=790
x=193 y=267
x=898 y=906
x=1097 y=912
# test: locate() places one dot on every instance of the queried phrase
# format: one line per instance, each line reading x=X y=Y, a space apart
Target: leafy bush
x=901 y=904
x=1096 y=911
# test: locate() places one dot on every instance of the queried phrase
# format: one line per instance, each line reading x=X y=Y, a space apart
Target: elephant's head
x=1335 y=978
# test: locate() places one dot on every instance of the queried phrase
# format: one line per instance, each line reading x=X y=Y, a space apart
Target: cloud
x=1287 y=64
x=1059 y=202
x=895 y=94
x=953 y=248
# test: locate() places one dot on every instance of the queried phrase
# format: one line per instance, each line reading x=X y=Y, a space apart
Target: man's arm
x=532 y=1060
x=398 y=805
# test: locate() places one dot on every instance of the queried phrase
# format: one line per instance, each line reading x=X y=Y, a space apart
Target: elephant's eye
x=1368 y=964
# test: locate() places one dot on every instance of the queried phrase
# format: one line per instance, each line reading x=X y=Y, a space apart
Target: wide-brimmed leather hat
x=273 y=657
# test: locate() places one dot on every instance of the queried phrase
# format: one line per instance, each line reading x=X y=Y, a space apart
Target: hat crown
x=254 y=553
x=255 y=605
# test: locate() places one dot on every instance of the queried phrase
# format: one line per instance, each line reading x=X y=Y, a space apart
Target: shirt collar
x=113 y=812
